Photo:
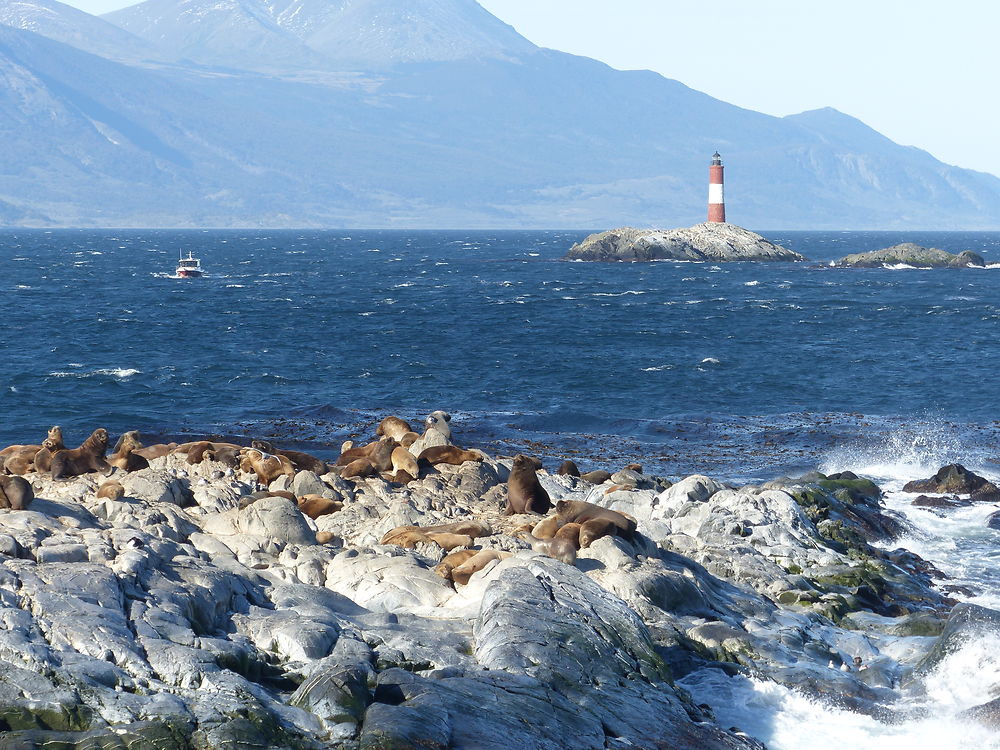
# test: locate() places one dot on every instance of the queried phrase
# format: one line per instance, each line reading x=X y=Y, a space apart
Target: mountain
x=266 y=126
x=74 y=27
x=288 y=35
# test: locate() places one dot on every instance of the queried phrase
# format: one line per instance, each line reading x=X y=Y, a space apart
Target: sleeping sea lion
x=581 y=512
x=461 y=574
x=266 y=466
x=525 y=493
x=453 y=560
x=394 y=427
x=596 y=477
x=559 y=549
x=315 y=506
x=111 y=490
x=301 y=461
x=448 y=454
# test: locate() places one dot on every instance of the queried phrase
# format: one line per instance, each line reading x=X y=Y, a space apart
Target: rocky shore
x=711 y=241
x=910 y=254
x=187 y=612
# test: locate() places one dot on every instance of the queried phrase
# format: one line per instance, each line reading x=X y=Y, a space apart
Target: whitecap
x=710 y=361
x=751 y=283
x=658 y=369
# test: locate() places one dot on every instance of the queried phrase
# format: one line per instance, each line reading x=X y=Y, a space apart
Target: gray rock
x=705 y=242
x=910 y=254
x=275 y=518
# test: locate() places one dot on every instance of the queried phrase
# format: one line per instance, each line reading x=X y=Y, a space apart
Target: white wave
x=751 y=283
x=658 y=369
x=905 y=454
x=904 y=267
x=23 y=286
x=710 y=361
x=403 y=285
x=784 y=719
x=116 y=372
x=617 y=294
x=236 y=286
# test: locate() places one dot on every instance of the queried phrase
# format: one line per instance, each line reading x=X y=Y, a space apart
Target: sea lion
x=52 y=444
x=394 y=427
x=124 y=457
x=453 y=560
x=568 y=469
x=593 y=529
x=87 y=458
x=21 y=461
x=448 y=542
x=559 y=549
x=346 y=446
x=596 y=477
x=403 y=460
x=437 y=431
x=15 y=492
x=571 y=533
x=359 y=469
x=547 y=527
x=315 y=506
x=301 y=461
x=473 y=529
x=378 y=453
x=201 y=450
x=581 y=511
x=448 y=454
x=637 y=468
x=525 y=493
x=266 y=466
x=461 y=574
x=229 y=455
x=399 y=477
x=158 y=450
x=325 y=537
x=409 y=439
x=111 y=490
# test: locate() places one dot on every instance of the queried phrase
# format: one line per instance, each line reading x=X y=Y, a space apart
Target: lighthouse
x=716 y=201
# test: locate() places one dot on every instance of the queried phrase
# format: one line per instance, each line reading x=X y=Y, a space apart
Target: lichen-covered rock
x=710 y=241
x=911 y=254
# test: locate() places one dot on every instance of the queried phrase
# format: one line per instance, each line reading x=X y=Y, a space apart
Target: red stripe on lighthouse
x=716 y=198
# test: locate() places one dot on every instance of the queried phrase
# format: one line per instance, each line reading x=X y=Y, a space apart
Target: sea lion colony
x=389 y=457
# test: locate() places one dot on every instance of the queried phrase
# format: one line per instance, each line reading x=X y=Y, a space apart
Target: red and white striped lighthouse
x=716 y=200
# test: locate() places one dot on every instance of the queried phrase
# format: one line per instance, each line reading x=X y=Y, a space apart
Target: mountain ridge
x=540 y=139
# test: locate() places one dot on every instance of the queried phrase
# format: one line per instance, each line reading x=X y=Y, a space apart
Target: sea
x=741 y=371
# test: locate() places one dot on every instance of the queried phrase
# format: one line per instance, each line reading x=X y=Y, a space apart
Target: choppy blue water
x=741 y=371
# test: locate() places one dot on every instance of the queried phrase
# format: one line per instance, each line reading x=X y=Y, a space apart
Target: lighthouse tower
x=716 y=201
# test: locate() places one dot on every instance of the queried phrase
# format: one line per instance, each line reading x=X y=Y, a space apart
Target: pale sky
x=922 y=72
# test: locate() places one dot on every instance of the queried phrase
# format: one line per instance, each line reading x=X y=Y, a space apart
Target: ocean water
x=741 y=371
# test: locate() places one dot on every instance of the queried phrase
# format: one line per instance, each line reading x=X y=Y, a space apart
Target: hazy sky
x=922 y=72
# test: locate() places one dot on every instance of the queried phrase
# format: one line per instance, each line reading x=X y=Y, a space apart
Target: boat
x=189 y=267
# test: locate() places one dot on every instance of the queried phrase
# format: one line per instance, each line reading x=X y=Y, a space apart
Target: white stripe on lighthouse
x=715 y=193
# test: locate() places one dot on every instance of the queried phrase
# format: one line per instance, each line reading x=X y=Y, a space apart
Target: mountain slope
x=518 y=137
x=66 y=24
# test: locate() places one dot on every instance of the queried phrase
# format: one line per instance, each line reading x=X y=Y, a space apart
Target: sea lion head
x=55 y=433
x=262 y=445
x=99 y=439
x=440 y=421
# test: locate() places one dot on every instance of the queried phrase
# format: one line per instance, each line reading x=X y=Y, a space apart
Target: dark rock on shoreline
x=955 y=479
x=910 y=254
x=710 y=241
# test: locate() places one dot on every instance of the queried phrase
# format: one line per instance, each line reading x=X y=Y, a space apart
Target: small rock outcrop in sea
x=711 y=241
x=192 y=612
x=955 y=479
x=910 y=254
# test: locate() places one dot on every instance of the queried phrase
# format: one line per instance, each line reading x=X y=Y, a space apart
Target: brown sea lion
x=399 y=477
x=525 y=493
x=21 y=461
x=158 y=450
x=266 y=466
x=394 y=427
x=448 y=454
x=403 y=460
x=581 y=512
x=359 y=468
x=559 y=549
x=570 y=532
x=461 y=574
x=637 y=468
x=568 y=469
x=447 y=541
x=201 y=450
x=87 y=458
x=301 y=461
x=124 y=457
x=594 y=529
x=378 y=453
x=111 y=490
x=473 y=529
x=315 y=506
x=453 y=560
x=52 y=443
x=596 y=477
x=547 y=527
x=15 y=493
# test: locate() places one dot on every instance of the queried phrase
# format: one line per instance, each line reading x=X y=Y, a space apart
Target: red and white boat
x=189 y=267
